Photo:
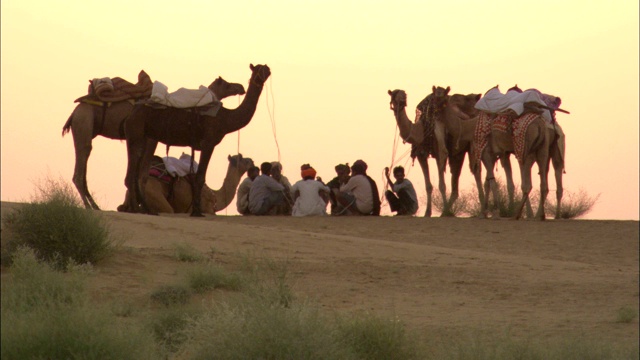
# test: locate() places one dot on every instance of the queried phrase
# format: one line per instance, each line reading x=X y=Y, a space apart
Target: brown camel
x=146 y=126
x=89 y=120
x=535 y=150
x=453 y=126
x=163 y=197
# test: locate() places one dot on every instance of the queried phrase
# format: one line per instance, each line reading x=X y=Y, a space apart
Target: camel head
x=259 y=74
x=440 y=96
x=222 y=88
x=242 y=164
x=466 y=103
x=398 y=99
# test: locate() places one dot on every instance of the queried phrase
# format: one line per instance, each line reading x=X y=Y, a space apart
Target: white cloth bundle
x=181 y=98
x=495 y=101
x=179 y=167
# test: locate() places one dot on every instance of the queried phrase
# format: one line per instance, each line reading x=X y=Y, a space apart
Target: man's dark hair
x=343 y=167
x=253 y=169
x=265 y=167
x=398 y=169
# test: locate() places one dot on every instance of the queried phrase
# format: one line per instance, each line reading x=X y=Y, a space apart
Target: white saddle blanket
x=494 y=101
x=181 y=98
x=180 y=167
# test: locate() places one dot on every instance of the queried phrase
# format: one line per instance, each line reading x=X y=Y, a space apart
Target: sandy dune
x=534 y=278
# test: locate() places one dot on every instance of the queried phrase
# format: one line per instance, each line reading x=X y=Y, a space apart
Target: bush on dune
x=57 y=228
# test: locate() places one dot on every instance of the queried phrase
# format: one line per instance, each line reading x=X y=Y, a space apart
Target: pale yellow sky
x=332 y=63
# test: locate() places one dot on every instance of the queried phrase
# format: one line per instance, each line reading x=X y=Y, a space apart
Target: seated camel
x=165 y=194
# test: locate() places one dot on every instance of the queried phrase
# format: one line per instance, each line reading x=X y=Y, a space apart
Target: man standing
x=402 y=198
x=242 y=202
x=265 y=192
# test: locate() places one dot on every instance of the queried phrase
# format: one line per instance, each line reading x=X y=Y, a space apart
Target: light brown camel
x=89 y=120
x=536 y=150
x=146 y=126
x=556 y=159
x=163 y=197
x=454 y=128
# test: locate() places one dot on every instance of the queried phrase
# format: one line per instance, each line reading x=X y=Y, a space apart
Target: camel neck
x=238 y=118
x=224 y=195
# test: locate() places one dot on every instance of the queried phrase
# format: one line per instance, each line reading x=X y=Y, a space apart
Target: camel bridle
x=259 y=79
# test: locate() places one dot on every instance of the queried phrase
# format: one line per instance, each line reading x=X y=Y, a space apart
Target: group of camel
x=144 y=126
x=444 y=129
x=452 y=121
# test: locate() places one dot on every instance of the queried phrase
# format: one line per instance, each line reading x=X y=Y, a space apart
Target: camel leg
x=82 y=139
x=477 y=175
x=488 y=160
x=198 y=183
x=134 y=130
x=442 y=186
x=505 y=161
x=525 y=177
x=455 y=164
x=542 y=159
x=558 y=168
x=143 y=173
x=427 y=182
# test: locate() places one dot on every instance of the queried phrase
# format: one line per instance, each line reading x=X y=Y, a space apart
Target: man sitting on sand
x=402 y=198
x=308 y=194
x=266 y=193
x=360 y=194
x=242 y=202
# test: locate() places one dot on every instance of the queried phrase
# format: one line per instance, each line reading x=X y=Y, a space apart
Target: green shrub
x=253 y=329
x=187 y=253
x=47 y=315
x=626 y=314
x=168 y=327
x=574 y=205
x=169 y=295
x=373 y=337
x=58 y=229
x=208 y=277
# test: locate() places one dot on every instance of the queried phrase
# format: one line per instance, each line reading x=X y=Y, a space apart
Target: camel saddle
x=159 y=171
x=107 y=90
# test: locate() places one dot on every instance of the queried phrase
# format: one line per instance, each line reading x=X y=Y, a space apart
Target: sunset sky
x=332 y=63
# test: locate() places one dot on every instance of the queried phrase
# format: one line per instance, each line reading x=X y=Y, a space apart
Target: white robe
x=309 y=202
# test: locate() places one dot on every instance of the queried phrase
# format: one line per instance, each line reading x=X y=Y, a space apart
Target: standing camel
x=453 y=128
x=535 y=149
x=176 y=196
x=90 y=119
x=146 y=126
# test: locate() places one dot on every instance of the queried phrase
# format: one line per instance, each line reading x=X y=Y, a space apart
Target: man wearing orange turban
x=309 y=194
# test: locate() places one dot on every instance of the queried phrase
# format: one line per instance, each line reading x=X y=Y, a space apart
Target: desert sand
x=534 y=279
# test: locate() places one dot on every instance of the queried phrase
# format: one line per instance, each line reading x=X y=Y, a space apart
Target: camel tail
x=67 y=126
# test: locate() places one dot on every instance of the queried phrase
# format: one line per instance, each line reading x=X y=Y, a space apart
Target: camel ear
x=389 y=92
x=251 y=67
x=433 y=89
x=448 y=89
x=229 y=157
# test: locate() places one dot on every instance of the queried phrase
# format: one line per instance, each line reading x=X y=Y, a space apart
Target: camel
x=536 y=150
x=454 y=129
x=146 y=126
x=162 y=197
x=89 y=120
